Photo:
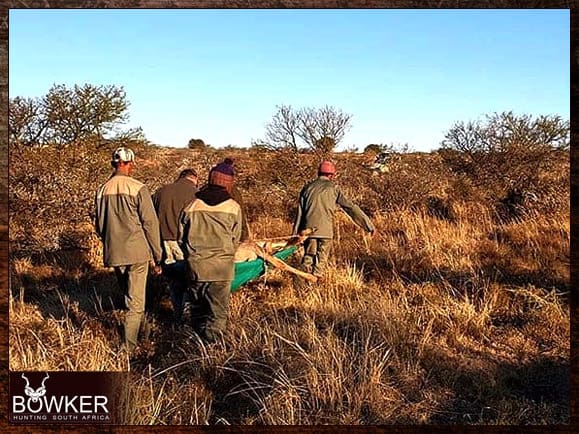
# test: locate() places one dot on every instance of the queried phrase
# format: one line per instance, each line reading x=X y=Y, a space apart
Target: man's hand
x=157 y=270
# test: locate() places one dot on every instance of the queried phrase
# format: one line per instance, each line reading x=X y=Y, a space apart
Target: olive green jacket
x=126 y=222
x=209 y=236
x=318 y=202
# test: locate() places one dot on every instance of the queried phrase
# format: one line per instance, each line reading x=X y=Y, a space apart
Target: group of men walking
x=190 y=235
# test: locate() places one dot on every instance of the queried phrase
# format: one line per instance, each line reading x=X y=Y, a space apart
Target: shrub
x=506 y=151
x=373 y=149
x=196 y=144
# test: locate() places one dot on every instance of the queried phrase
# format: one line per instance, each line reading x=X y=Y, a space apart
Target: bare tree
x=506 y=151
x=315 y=129
x=281 y=131
x=320 y=127
x=504 y=131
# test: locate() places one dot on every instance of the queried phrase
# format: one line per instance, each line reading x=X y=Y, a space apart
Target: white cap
x=123 y=154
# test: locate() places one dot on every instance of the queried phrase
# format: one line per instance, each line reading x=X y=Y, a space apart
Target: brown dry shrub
x=541 y=171
x=52 y=190
x=412 y=179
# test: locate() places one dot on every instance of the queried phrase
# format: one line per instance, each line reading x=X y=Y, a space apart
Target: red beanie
x=327 y=167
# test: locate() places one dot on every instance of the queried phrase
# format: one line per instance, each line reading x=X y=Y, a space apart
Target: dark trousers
x=176 y=274
x=209 y=308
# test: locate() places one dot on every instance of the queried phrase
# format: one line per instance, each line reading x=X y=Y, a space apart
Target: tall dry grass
x=432 y=321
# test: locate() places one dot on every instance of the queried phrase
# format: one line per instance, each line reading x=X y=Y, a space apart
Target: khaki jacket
x=318 y=202
x=126 y=222
x=209 y=236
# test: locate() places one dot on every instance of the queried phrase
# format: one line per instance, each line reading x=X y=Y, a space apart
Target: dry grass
x=433 y=321
x=48 y=343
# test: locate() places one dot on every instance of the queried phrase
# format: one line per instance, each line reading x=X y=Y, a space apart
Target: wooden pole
x=276 y=262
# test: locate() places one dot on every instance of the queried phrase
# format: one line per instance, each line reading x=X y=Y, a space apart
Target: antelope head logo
x=35 y=395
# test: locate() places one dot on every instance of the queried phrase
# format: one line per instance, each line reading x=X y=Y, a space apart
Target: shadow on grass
x=65 y=286
x=239 y=388
x=517 y=391
x=381 y=269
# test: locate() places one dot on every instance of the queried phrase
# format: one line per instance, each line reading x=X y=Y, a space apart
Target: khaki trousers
x=133 y=282
x=316 y=254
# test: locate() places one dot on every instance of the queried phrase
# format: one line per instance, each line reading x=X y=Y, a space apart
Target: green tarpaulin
x=249 y=270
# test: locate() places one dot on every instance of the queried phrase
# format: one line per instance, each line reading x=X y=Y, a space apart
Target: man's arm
x=150 y=223
x=238 y=229
x=183 y=228
x=355 y=213
x=237 y=197
x=98 y=223
x=155 y=199
x=298 y=219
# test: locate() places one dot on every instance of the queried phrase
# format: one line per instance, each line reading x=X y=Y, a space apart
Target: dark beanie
x=225 y=167
x=222 y=174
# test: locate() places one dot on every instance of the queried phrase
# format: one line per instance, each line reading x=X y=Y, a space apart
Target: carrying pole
x=276 y=262
x=291 y=239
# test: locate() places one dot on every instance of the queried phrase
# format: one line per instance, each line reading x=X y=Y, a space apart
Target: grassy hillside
x=457 y=312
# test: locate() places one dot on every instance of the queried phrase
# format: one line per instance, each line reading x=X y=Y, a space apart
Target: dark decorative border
x=573 y=5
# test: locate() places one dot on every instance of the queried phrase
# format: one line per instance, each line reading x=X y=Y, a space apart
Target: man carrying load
x=209 y=233
x=169 y=201
x=126 y=222
x=317 y=204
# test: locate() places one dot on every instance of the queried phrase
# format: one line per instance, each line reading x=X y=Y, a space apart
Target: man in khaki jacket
x=318 y=201
x=209 y=234
x=227 y=165
x=127 y=224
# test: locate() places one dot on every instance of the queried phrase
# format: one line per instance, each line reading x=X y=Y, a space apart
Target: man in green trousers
x=318 y=202
x=209 y=233
x=127 y=224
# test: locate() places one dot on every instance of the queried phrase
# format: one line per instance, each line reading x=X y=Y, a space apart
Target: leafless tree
x=281 y=131
x=504 y=131
x=314 y=129
x=323 y=126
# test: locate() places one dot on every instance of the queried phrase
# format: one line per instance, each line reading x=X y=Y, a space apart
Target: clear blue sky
x=404 y=75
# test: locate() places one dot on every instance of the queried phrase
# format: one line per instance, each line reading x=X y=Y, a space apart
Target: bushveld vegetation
x=457 y=312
